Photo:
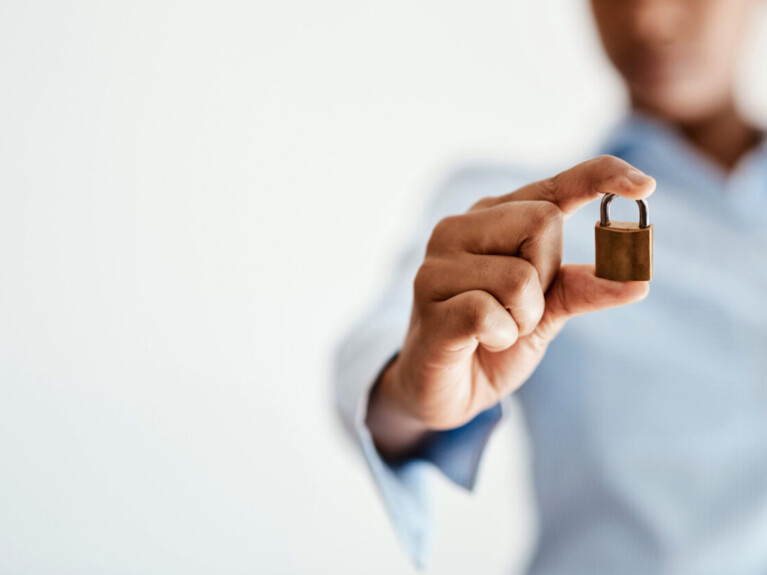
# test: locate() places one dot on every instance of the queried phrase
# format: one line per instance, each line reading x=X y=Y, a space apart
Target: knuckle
x=546 y=216
x=550 y=213
x=424 y=279
x=549 y=187
x=442 y=232
x=519 y=278
x=483 y=203
x=479 y=317
x=527 y=286
x=526 y=303
x=527 y=277
x=606 y=162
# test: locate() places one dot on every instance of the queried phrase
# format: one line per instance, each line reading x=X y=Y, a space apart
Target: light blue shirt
x=648 y=422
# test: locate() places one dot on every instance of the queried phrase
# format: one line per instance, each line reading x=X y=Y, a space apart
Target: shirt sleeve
x=366 y=350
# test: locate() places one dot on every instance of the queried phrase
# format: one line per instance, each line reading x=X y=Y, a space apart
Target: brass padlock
x=624 y=249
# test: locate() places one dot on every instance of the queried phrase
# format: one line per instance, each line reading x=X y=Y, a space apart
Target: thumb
x=577 y=290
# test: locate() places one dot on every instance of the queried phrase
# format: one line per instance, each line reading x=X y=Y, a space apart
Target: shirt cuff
x=456 y=453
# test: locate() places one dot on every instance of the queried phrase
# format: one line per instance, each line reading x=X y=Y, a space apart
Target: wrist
x=396 y=432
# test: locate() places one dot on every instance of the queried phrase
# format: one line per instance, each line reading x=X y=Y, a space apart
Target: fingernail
x=637 y=178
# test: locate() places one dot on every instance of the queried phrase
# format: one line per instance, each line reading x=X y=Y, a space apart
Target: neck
x=724 y=135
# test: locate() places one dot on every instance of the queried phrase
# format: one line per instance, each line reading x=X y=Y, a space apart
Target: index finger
x=581 y=184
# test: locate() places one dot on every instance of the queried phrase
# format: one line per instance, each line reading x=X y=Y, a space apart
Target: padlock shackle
x=604 y=211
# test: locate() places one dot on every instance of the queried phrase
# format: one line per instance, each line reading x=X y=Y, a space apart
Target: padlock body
x=624 y=251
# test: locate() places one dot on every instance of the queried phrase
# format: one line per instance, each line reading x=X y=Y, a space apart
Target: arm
x=373 y=343
x=487 y=298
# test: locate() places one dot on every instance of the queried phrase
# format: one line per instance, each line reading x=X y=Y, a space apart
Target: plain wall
x=198 y=198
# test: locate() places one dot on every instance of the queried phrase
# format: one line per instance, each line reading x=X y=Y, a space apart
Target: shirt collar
x=655 y=146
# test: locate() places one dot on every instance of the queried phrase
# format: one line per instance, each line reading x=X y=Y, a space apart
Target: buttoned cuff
x=402 y=483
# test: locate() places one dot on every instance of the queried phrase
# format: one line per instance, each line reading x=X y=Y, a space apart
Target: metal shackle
x=604 y=211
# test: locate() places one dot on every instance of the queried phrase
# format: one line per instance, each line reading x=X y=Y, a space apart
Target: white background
x=198 y=198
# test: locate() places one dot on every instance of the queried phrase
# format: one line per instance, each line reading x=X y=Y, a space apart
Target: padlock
x=623 y=249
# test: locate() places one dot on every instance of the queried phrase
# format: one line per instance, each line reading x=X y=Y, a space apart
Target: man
x=648 y=421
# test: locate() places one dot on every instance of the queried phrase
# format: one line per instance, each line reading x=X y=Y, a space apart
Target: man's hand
x=489 y=297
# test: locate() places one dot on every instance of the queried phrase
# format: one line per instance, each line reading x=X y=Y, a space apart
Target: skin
x=492 y=292
x=678 y=59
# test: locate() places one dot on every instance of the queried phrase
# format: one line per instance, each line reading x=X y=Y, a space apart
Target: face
x=678 y=57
